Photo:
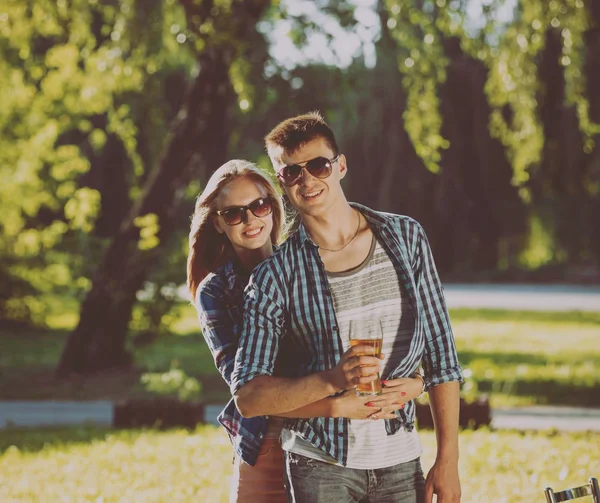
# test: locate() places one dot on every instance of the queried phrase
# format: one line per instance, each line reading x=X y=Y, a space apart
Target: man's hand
x=358 y=365
x=443 y=481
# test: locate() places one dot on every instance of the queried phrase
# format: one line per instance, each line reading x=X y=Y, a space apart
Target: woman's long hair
x=208 y=249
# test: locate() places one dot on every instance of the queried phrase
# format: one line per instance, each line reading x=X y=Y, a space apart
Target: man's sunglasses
x=235 y=215
x=319 y=167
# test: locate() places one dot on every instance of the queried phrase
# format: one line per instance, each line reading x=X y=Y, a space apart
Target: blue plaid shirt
x=219 y=301
x=288 y=301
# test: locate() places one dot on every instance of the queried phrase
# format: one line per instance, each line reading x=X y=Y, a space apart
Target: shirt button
x=335 y=329
x=341 y=435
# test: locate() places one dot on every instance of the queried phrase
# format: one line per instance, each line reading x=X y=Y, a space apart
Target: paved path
x=534 y=297
x=523 y=297
x=29 y=414
x=547 y=418
x=50 y=413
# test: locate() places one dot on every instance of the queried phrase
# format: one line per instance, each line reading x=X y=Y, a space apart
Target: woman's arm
x=347 y=405
x=396 y=393
x=217 y=328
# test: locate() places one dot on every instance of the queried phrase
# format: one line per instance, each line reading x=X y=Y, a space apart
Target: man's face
x=311 y=195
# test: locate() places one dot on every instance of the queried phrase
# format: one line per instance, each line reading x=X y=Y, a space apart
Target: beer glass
x=367 y=333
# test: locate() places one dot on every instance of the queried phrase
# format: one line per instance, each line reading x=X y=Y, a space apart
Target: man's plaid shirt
x=288 y=301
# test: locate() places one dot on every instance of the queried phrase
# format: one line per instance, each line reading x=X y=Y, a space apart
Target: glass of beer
x=367 y=333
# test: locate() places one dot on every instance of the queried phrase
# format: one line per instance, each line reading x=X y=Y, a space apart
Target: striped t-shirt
x=371 y=291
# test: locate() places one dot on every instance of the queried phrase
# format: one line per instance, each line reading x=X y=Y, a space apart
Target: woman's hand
x=396 y=392
x=351 y=406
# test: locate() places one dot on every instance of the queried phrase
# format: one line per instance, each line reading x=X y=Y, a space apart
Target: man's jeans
x=313 y=481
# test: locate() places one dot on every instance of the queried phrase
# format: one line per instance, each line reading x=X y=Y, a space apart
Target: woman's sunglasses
x=319 y=167
x=235 y=215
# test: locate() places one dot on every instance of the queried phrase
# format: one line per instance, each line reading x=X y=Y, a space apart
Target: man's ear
x=342 y=166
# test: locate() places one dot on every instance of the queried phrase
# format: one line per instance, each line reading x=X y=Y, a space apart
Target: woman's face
x=253 y=233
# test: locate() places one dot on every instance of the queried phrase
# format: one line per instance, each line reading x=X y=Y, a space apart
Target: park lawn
x=177 y=466
x=515 y=357
x=530 y=357
x=28 y=357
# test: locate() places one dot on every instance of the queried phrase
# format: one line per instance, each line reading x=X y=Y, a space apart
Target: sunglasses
x=319 y=167
x=235 y=215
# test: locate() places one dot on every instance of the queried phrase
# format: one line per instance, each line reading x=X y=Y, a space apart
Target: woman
x=238 y=219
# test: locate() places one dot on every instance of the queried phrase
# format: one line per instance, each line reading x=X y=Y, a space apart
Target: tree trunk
x=197 y=144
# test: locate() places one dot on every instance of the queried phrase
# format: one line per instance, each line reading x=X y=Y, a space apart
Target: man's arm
x=266 y=395
x=440 y=360
x=270 y=395
x=442 y=376
x=257 y=392
x=443 y=479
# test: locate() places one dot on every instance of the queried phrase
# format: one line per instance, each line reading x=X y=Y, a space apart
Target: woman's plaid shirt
x=219 y=302
x=288 y=301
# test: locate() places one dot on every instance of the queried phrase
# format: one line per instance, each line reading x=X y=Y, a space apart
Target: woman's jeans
x=312 y=481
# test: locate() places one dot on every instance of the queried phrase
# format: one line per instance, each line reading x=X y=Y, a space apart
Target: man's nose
x=304 y=175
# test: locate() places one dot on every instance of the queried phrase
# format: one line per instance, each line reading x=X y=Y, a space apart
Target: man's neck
x=334 y=228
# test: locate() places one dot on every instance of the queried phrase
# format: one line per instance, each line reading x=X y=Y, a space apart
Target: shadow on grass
x=546 y=391
x=583 y=391
x=577 y=317
x=34 y=440
x=42 y=384
x=468 y=357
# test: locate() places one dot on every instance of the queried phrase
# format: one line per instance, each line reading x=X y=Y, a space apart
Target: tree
x=197 y=142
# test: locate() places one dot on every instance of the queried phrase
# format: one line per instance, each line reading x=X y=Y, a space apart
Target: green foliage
x=88 y=90
x=174 y=383
x=511 y=54
x=422 y=62
x=75 y=79
x=514 y=81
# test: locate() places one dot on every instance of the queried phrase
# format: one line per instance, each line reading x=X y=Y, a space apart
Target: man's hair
x=293 y=133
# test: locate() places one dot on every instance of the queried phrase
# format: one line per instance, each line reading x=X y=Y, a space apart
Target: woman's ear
x=217 y=223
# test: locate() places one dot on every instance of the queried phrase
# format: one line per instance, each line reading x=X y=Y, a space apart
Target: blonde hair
x=208 y=249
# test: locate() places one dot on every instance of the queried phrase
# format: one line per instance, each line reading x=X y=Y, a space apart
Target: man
x=347 y=262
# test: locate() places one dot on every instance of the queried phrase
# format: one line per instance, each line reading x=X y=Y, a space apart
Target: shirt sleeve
x=218 y=330
x=262 y=330
x=440 y=360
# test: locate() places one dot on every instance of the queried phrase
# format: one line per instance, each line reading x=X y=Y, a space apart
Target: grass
x=176 y=466
x=28 y=357
x=530 y=357
x=516 y=357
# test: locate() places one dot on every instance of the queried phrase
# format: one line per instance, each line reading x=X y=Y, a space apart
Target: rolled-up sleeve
x=217 y=328
x=262 y=330
x=440 y=359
